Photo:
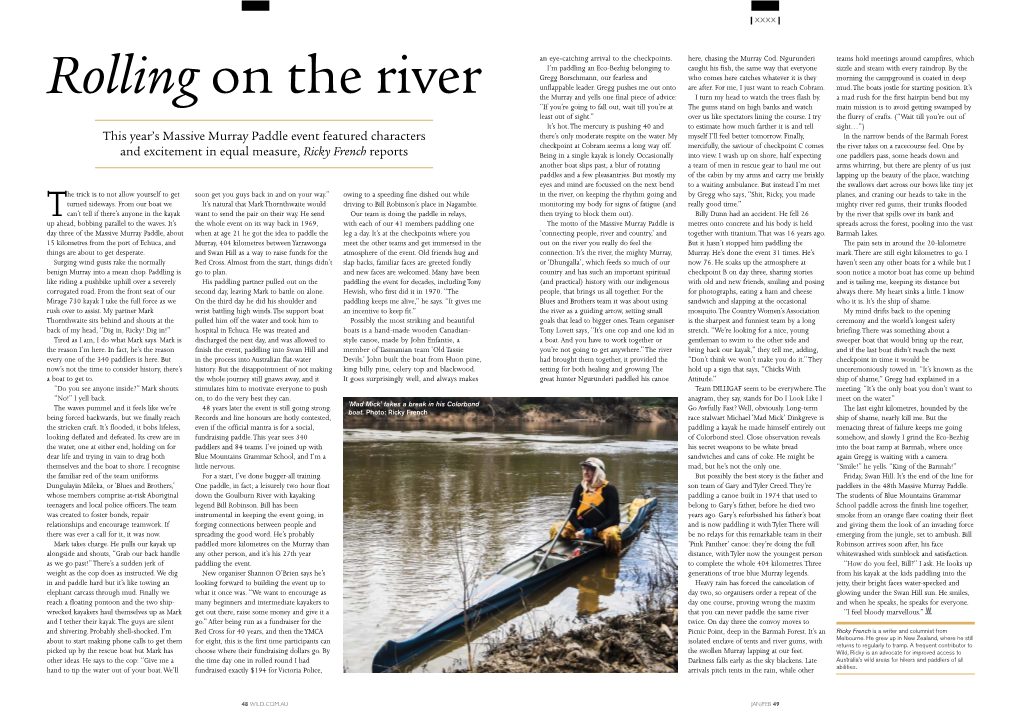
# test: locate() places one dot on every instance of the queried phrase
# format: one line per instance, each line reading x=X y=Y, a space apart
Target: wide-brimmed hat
x=594 y=463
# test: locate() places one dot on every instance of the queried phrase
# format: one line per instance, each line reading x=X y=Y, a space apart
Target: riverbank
x=427 y=474
x=644 y=642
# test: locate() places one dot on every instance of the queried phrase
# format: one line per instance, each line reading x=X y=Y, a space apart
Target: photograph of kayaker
x=510 y=534
x=594 y=510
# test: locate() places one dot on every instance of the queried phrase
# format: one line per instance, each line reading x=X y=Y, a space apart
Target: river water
x=406 y=491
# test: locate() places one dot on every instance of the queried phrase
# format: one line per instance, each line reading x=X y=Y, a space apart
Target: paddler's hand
x=586 y=533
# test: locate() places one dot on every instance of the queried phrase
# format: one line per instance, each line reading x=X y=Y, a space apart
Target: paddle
x=553 y=544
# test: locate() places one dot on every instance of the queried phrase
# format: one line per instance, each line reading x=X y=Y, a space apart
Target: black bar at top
x=765 y=6
x=263 y=5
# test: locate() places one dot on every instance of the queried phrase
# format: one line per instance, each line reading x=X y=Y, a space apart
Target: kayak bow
x=511 y=584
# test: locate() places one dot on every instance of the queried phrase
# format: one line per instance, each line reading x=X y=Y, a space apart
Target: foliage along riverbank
x=643 y=642
x=646 y=641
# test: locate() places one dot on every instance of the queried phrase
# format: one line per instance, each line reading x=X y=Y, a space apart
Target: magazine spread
x=283 y=274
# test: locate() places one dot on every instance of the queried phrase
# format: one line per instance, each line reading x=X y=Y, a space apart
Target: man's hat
x=594 y=463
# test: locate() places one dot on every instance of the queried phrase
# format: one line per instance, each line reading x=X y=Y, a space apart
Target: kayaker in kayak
x=597 y=505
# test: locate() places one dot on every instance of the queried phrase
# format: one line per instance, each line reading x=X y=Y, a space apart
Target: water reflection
x=405 y=490
x=599 y=581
